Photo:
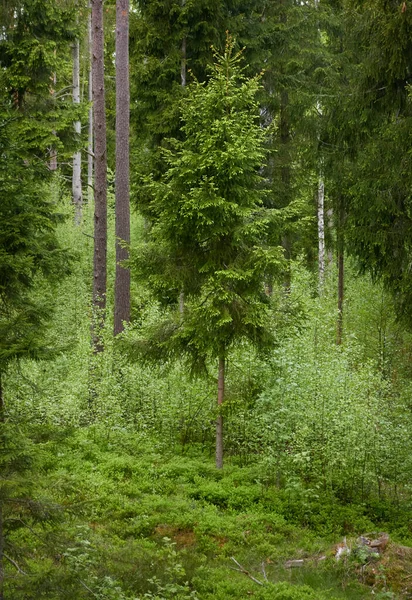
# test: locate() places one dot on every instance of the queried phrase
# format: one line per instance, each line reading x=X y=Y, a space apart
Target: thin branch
x=264 y=572
x=244 y=571
x=14 y=564
x=88 y=589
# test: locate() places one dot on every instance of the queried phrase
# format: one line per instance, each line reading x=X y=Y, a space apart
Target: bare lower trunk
x=122 y=281
x=340 y=296
x=321 y=233
x=219 y=421
x=183 y=84
x=183 y=64
x=77 y=157
x=90 y=117
x=341 y=282
x=285 y=174
x=1 y=504
x=100 y=186
x=53 y=151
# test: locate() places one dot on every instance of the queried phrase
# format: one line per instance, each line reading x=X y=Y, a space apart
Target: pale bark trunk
x=321 y=233
x=90 y=116
x=100 y=186
x=183 y=64
x=219 y=420
x=77 y=157
x=122 y=282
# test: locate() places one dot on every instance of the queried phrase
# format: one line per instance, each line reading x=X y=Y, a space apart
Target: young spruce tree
x=208 y=234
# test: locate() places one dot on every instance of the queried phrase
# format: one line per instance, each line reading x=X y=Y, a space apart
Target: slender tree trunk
x=341 y=274
x=183 y=84
x=90 y=116
x=219 y=421
x=340 y=297
x=183 y=64
x=77 y=157
x=285 y=172
x=321 y=233
x=1 y=503
x=329 y=215
x=53 y=151
x=122 y=282
x=100 y=185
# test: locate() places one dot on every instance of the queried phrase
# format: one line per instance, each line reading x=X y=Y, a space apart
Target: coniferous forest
x=205 y=299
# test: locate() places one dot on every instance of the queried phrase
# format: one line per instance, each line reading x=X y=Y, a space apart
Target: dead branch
x=244 y=571
x=13 y=562
x=289 y=564
x=264 y=572
x=88 y=589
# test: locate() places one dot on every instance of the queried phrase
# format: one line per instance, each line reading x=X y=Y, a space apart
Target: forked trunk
x=219 y=421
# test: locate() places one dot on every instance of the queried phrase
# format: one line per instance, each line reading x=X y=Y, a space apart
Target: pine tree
x=209 y=227
x=100 y=178
x=122 y=281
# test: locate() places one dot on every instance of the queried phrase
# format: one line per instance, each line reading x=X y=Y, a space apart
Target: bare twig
x=13 y=562
x=264 y=572
x=88 y=589
x=244 y=571
x=289 y=564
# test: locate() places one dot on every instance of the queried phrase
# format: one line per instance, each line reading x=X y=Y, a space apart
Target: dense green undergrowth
x=108 y=483
x=119 y=517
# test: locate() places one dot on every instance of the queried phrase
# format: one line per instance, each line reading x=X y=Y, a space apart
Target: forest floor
x=142 y=521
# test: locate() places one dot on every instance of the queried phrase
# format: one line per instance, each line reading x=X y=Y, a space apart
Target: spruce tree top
x=208 y=221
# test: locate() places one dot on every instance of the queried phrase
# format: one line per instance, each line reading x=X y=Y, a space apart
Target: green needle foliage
x=208 y=233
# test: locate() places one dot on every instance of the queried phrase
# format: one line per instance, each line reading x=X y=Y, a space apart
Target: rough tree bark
x=219 y=420
x=100 y=183
x=90 y=116
x=77 y=157
x=321 y=233
x=122 y=281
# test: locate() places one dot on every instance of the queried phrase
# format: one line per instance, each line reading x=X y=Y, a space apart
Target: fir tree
x=209 y=227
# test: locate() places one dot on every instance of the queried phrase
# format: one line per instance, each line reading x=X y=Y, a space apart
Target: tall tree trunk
x=183 y=84
x=1 y=503
x=219 y=421
x=77 y=157
x=285 y=172
x=341 y=273
x=321 y=233
x=90 y=116
x=53 y=151
x=122 y=282
x=100 y=184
